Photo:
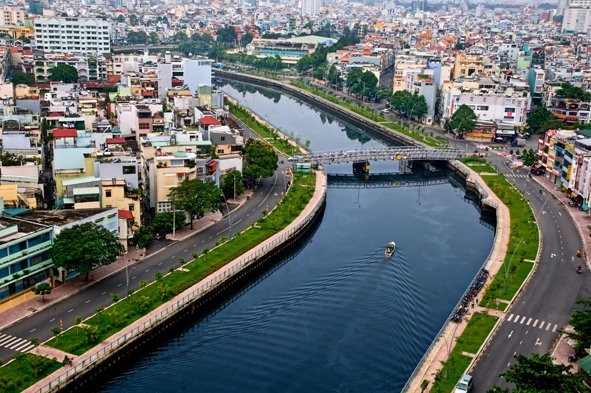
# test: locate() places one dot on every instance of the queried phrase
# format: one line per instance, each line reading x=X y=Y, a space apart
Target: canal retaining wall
x=330 y=107
x=96 y=364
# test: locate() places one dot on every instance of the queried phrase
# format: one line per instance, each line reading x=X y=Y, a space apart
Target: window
x=131 y=206
x=129 y=169
x=108 y=193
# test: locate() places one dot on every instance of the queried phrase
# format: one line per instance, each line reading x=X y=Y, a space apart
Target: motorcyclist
x=579 y=269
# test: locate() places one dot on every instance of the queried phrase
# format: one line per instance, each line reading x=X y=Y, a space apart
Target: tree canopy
x=463 y=120
x=260 y=160
x=227 y=35
x=64 y=73
x=581 y=322
x=537 y=373
x=569 y=91
x=362 y=83
x=409 y=104
x=85 y=247
x=232 y=184
x=195 y=197
x=163 y=222
x=538 y=117
x=20 y=77
x=137 y=37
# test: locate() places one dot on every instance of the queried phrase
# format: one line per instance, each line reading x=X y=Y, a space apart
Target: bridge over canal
x=360 y=158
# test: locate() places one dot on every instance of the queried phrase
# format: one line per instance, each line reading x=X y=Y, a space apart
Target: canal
x=335 y=315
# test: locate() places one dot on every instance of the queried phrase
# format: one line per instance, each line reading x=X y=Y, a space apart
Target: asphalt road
x=534 y=322
x=85 y=303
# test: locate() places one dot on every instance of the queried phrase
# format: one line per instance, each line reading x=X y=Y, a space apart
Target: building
x=12 y=16
x=72 y=35
x=577 y=17
x=311 y=7
x=36 y=7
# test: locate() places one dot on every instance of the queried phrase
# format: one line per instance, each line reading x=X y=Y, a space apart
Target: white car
x=464 y=384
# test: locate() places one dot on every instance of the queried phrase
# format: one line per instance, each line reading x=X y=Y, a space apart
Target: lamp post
x=174 y=222
x=229 y=215
x=509 y=265
x=127 y=273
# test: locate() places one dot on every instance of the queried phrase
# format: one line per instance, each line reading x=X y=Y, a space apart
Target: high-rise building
x=311 y=7
x=36 y=7
x=12 y=16
x=72 y=35
x=577 y=16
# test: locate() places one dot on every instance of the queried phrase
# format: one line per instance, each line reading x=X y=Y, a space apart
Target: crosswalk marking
x=15 y=343
x=521 y=319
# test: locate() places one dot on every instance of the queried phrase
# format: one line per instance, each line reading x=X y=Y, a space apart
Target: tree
x=84 y=247
x=246 y=39
x=162 y=223
x=232 y=184
x=537 y=117
x=154 y=39
x=529 y=157
x=418 y=106
x=260 y=160
x=463 y=120
x=537 y=373
x=581 y=322
x=400 y=101
x=42 y=289
x=196 y=198
x=227 y=35
x=64 y=73
x=22 y=78
x=137 y=37
x=334 y=76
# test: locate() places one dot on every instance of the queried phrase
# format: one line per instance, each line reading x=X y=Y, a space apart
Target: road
x=534 y=322
x=85 y=303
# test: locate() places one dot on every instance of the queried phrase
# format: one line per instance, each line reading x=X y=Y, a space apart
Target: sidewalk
x=22 y=306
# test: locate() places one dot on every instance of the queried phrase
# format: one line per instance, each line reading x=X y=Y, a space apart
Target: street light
x=229 y=215
x=127 y=273
x=509 y=264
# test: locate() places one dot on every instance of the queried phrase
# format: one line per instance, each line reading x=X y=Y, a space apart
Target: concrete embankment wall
x=345 y=114
x=187 y=307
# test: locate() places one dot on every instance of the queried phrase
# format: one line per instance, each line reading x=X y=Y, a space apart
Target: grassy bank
x=24 y=371
x=270 y=134
x=423 y=136
x=469 y=342
x=106 y=322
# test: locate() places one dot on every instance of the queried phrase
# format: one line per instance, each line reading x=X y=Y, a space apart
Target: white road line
x=510 y=318
x=119 y=285
x=104 y=293
x=160 y=264
x=2 y=334
x=5 y=339
x=516 y=318
x=133 y=278
x=24 y=344
x=535 y=323
x=522 y=320
x=554 y=328
x=185 y=250
x=194 y=245
x=172 y=257
x=17 y=343
x=542 y=324
x=548 y=326
x=88 y=301
x=10 y=341
x=147 y=270
x=52 y=319
x=27 y=348
x=203 y=241
x=32 y=330
x=70 y=310
x=528 y=322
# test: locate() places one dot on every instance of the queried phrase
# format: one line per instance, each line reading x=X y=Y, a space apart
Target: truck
x=519 y=142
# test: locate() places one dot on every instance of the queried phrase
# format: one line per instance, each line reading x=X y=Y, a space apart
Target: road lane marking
x=31 y=331
x=52 y=319
x=542 y=324
x=104 y=293
x=538 y=341
x=185 y=250
x=516 y=318
x=88 y=301
x=10 y=341
x=70 y=310
x=119 y=285
x=548 y=326
x=554 y=328
x=510 y=334
x=535 y=323
x=522 y=320
x=510 y=318
x=528 y=322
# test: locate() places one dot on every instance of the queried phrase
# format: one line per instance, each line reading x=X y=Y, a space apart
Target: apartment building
x=12 y=16
x=469 y=65
x=577 y=16
x=72 y=35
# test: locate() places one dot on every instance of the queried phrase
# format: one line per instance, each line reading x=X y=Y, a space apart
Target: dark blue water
x=336 y=316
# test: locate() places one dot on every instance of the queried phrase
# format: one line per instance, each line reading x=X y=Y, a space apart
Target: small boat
x=390 y=248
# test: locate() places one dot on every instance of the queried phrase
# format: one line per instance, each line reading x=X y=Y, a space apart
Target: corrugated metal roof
x=79 y=180
x=86 y=191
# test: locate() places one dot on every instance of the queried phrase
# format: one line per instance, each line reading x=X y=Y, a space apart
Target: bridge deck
x=406 y=153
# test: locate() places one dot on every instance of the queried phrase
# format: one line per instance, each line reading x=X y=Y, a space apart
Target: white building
x=72 y=35
x=311 y=7
x=577 y=16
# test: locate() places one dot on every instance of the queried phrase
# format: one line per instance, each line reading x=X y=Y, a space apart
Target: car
x=464 y=385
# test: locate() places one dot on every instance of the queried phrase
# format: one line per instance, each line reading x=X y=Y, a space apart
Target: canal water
x=335 y=315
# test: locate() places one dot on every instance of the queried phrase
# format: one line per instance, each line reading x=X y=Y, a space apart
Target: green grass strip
x=523 y=242
x=400 y=127
x=470 y=341
x=266 y=132
x=24 y=371
x=107 y=322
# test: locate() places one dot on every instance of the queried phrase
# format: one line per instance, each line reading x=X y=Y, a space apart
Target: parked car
x=464 y=384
